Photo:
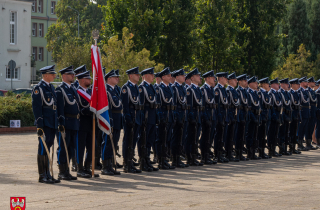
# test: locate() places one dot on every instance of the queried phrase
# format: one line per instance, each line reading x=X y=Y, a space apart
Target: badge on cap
x=124 y=91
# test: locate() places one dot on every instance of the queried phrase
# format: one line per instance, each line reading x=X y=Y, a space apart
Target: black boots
x=64 y=173
x=252 y=154
x=148 y=162
x=230 y=157
x=301 y=147
x=107 y=168
x=81 y=172
x=309 y=145
x=128 y=167
x=207 y=160
x=240 y=156
x=262 y=154
x=74 y=164
x=176 y=162
x=43 y=178
x=87 y=166
x=144 y=166
x=284 y=150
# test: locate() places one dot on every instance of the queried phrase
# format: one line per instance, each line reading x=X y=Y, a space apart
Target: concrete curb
x=18 y=130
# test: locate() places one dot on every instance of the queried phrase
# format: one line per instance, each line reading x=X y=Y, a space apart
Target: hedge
x=17 y=107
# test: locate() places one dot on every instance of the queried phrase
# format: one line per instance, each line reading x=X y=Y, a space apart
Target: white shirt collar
x=146 y=82
x=263 y=89
x=164 y=84
x=111 y=86
x=85 y=89
x=220 y=84
x=132 y=83
x=46 y=82
x=178 y=83
x=252 y=89
x=67 y=84
x=303 y=88
x=207 y=84
x=194 y=84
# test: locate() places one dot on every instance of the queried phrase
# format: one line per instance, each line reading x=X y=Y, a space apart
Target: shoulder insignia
x=266 y=99
x=217 y=93
x=36 y=92
x=202 y=92
x=140 y=90
x=259 y=96
x=124 y=90
x=235 y=100
x=188 y=93
x=150 y=97
x=157 y=90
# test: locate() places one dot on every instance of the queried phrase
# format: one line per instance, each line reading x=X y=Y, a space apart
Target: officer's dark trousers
x=293 y=131
x=129 y=140
x=184 y=138
x=218 y=140
x=50 y=134
x=191 y=137
x=71 y=136
x=241 y=133
x=230 y=135
x=106 y=148
x=161 y=144
x=262 y=134
x=176 y=144
x=311 y=123
x=150 y=138
x=252 y=141
x=303 y=127
x=83 y=141
x=284 y=132
x=273 y=133
x=318 y=129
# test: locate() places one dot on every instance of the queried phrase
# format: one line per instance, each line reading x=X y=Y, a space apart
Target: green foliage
x=315 y=28
x=296 y=65
x=12 y=108
x=119 y=55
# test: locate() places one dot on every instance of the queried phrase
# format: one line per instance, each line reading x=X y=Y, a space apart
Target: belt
x=73 y=115
x=183 y=107
x=136 y=107
x=116 y=111
x=308 y=107
x=53 y=107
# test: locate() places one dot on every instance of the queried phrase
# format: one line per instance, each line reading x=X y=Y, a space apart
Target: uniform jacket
x=166 y=99
x=180 y=99
x=209 y=102
x=305 y=103
x=254 y=104
x=85 y=113
x=194 y=100
x=233 y=99
x=148 y=97
x=265 y=105
x=115 y=107
x=221 y=99
x=276 y=105
x=295 y=104
x=286 y=103
x=243 y=96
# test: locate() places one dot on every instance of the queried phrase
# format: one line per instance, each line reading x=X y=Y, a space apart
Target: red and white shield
x=18 y=203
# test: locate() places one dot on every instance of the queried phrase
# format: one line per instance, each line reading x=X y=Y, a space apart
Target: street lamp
x=78 y=17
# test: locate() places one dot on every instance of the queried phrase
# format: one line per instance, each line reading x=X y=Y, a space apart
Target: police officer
x=221 y=99
x=243 y=116
x=44 y=106
x=234 y=102
x=156 y=85
x=115 y=115
x=84 y=136
x=194 y=100
x=179 y=131
x=118 y=89
x=286 y=117
x=69 y=121
x=132 y=119
x=317 y=132
x=166 y=117
x=209 y=119
x=148 y=97
x=296 y=106
x=188 y=81
x=276 y=112
x=265 y=105
x=313 y=119
x=254 y=118
x=305 y=112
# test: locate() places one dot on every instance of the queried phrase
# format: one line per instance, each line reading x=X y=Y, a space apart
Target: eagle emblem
x=140 y=90
x=217 y=93
x=124 y=91
x=36 y=92
x=188 y=93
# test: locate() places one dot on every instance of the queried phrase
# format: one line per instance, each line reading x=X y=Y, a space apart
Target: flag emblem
x=17 y=203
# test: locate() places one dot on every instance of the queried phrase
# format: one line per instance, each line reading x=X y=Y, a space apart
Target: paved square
x=290 y=182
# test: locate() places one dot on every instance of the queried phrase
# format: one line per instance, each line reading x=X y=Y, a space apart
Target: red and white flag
x=99 y=97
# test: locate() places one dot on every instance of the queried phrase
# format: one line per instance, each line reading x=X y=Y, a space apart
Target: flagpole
x=95 y=35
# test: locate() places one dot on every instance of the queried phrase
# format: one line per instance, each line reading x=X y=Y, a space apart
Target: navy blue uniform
x=296 y=117
x=221 y=99
x=166 y=118
x=313 y=110
x=44 y=104
x=265 y=115
x=148 y=97
x=243 y=116
x=76 y=84
x=179 y=130
x=69 y=117
x=305 y=114
x=286 y=119
x=209 y=114
x=275 y=120
x=132 y=118
x=254 y=121
x=84 y=136
x=233 y=118
x=116 y=121
x=318 y=116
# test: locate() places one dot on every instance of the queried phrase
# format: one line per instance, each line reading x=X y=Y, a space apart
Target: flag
x=99 y=97
x=85 y=95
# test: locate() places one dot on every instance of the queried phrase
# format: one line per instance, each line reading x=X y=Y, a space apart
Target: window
x=34 y=6
x=34 y=29
x=40 y=53
x=34 y=53
x=13 y=27
x=41 y=30
x=40 y=6
x=53 y=7
x=15 y=73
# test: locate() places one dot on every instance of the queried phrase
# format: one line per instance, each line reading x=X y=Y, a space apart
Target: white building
x=15 y=43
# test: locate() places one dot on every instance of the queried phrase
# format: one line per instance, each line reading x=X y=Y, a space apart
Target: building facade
x=15 y=43
x=42 y=16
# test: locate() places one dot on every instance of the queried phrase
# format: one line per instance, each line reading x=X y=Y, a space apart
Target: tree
x=315 y=28
x=65 y=30
x=119 y=55
x=217 y=31
x=299 y=31
x=296 y=65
